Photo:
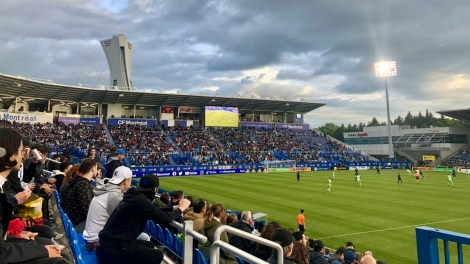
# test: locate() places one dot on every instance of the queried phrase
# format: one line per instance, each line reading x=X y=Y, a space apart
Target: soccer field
x=380 y=215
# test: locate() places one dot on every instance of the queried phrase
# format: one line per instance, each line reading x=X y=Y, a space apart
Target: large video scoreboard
x=221 y=116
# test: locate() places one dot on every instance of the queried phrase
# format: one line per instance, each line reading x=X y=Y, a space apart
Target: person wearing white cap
x=104 y=202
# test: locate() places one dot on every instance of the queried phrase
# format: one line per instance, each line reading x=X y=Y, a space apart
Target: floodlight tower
x=387 y=69
x=119 y=53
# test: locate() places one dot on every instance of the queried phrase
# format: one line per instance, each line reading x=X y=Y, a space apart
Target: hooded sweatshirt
x=104 y=202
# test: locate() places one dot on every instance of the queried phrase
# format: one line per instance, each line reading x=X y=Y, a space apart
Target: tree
x=374 y=122
x=413 y=121
x=328 y=128
x=398 y=121
x=408 y=119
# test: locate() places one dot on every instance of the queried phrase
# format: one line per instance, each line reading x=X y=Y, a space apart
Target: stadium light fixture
x=387 y=69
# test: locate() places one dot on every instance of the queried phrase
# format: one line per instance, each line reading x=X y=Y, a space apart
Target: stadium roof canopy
x=42 y=91
x=461 y=114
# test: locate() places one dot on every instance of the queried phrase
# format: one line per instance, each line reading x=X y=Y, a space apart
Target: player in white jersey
x=330 y=184
x=358 y=180
x=333 y=175
x=450 y=183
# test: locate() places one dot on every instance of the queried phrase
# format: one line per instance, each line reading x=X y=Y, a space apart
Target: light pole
x=387 y=69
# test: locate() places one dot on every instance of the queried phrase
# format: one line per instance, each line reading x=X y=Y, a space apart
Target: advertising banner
x=292 y=126
x=131 y=121
x=69 y=120
x=443 y=169
x=189 y=110
x=90 y=120
x=256 y=125
x=429 y=157
x=31 y=118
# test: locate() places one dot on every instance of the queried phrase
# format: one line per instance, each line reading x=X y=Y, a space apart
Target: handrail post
x=188 y=243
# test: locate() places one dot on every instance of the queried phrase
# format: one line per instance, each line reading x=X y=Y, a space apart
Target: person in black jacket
x=118 y=242
x=24 y=249
x=245 y=224
x=114 y=161
x=316 y=256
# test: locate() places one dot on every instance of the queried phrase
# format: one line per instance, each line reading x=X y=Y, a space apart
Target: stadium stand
x=156 y=146
x=459 y=159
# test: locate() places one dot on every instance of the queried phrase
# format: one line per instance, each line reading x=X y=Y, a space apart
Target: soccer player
x=417 y=176
x=378 y=170
x=409 y=172
x=358 y=180
x=453 y=173
x=399 y=178
x=449 y=180
x=333 y=175
x=298 y=176
x=329 y=184
x=356 y=171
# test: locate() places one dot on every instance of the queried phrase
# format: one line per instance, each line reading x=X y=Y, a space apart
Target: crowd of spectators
x=161 y=146
x=145 y=146
x=460 y=159
x=65 y=138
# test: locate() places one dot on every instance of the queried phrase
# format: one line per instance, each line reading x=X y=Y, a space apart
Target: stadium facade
x=31 y=100
x=417 y=144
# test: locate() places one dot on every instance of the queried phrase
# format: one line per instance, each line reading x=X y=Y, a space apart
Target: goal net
x=280 y=165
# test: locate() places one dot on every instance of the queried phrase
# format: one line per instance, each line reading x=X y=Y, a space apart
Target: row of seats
x=76 y=241
x=171 y=242
x=82 y=256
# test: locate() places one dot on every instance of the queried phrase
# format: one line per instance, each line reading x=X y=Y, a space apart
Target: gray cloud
x=321 y=51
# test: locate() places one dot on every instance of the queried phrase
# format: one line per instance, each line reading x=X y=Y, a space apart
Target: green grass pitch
x=381 y=215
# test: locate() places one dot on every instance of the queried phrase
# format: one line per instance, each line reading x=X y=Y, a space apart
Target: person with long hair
x=300 y=253
x=215 y=217
x=264 y=252
x=67 y=179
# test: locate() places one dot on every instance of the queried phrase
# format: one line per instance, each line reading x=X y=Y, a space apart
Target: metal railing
x=218 y=244
x=428 y=248
x=188 y=234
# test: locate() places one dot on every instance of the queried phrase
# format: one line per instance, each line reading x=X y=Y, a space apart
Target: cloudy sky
x=316 y=51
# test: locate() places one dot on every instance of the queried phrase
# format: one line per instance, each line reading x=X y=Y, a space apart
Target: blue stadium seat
x=198 y=257
x=160 y=233
x=155 y=231
x=177 y=246
x=240 y=260
x=168 y=242
x=80 y=260
x=75 y=249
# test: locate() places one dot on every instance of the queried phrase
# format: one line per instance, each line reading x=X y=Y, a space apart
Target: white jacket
x=102 y=205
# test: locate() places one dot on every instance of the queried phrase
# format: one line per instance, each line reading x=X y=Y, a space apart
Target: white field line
x=395 y=228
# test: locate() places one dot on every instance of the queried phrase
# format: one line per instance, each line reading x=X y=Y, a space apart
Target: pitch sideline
x=395 y=228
